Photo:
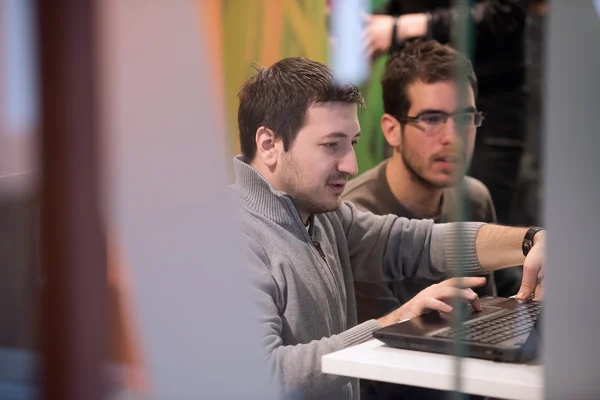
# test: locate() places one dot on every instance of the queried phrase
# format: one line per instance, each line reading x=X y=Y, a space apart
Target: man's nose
x=348 y=163
x=451 y=132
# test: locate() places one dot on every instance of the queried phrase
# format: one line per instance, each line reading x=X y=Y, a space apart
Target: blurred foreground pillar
x=73 y=249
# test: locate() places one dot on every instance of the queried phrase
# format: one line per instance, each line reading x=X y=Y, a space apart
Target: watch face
x=526 y=246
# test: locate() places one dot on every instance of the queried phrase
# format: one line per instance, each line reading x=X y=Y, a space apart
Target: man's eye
x=354 y=143
x=465 y=118
x=330 y=145
x=432 y=118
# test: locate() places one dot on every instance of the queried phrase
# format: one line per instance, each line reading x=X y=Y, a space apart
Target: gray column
x=571 y=194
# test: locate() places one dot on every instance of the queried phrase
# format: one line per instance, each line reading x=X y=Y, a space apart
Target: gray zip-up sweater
x=303 y=279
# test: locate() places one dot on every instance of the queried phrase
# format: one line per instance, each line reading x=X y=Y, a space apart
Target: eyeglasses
x=432 y=121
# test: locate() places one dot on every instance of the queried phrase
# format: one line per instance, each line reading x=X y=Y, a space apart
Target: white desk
x=376 y=361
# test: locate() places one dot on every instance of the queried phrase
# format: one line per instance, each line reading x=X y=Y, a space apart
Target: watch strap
x=528 y=239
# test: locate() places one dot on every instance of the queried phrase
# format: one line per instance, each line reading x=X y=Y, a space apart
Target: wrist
x=540 y=236
x=532 y=236
x=412 y=26
x=384 y=321
x=393 y=317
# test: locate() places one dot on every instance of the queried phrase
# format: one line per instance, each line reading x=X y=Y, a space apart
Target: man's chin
x=329 y=207
x=443 y=183
x=333 y=207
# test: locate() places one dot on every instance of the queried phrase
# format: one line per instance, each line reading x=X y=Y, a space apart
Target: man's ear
x=268 y=146
x=391 y=130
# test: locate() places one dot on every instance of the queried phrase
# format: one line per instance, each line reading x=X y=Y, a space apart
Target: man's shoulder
x=481 y=206
x=362 y=190
x=477 y=191
x=365 y=181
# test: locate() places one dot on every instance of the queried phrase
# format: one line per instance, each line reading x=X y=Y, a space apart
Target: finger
x=366 y=35
x=442 y=293
x=465 y=282
x=539 y=292
x=470 y=295
x=528 y=283
x=366 y=47
x=466 y=294
x=437 y=305
x=371 y=52
x=476 y=304
x=540 y=275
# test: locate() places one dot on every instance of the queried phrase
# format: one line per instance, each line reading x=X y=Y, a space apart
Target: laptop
x=507 y=330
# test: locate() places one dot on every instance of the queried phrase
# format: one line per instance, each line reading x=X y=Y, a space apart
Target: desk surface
x=374 y=360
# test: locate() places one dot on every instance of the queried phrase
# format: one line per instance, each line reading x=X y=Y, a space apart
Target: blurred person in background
x=526 y=208
x=430 y=154
x=298 y=125
x=499 y=63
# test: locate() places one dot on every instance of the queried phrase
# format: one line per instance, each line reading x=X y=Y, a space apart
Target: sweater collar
x=257 y=194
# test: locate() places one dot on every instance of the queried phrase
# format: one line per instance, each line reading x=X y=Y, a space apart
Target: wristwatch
x=528 y=239
x=394 y=43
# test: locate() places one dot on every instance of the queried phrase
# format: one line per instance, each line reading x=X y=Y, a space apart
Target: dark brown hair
x=278 y=97
x=421 y=60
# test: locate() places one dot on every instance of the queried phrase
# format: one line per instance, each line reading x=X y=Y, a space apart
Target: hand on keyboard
x=438 y=297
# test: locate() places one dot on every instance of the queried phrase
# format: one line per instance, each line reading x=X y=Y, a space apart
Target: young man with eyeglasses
x=431 y=131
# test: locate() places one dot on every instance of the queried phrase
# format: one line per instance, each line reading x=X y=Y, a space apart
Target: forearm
x=500 y=246
x=412 y=26
x=387 y=248
x=299 y=366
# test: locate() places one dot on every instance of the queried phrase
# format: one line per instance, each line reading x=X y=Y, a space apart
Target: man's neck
x=304 y=217
x=266 y=173
x=422 y=200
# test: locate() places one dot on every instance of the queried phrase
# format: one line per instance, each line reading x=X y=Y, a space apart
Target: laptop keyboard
x=498 y=327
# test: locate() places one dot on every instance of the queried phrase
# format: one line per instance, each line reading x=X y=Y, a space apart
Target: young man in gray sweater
x=298 y=125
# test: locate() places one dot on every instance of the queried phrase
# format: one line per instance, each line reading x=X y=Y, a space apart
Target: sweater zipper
x=320 y=250
x=334 y=284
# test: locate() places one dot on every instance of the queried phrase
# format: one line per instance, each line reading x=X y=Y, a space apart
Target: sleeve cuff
x=460 y=254
x=429 y=34
x=359 y=334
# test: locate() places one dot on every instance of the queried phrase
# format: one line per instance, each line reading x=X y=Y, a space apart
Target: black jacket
x=499 y=30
